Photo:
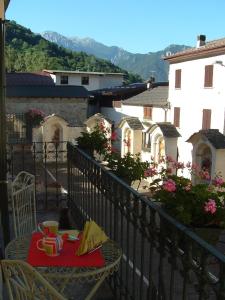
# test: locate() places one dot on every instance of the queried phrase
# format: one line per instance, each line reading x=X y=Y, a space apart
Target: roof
x=156 y=96
x=216 y=139
x=168 y=129
x=119 y=92
x=28 y=78
x=215 y=47
x=47 y=91
x=82 y=72
x=99 y=116
x=133 y=122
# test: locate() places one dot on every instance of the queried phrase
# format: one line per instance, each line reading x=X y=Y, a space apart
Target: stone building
x=67 y=105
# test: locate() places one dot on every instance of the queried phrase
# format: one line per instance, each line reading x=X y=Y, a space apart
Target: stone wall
x=73 y=110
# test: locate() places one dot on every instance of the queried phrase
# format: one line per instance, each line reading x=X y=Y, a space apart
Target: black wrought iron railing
x=48 y=162
x=16 y=128
x=162 y=259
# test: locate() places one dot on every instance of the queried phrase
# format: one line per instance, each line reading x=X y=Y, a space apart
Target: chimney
x=200 y=40
x=150 y=82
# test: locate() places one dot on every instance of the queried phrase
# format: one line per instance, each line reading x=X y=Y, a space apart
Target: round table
x=64 y=277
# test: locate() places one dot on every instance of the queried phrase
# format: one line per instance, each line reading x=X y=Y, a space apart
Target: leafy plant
x=96 y=140
x=195 y=205
x=129 y=167
x=34 y=116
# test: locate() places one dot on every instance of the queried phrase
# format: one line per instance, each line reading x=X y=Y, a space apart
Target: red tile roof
x=215 y=47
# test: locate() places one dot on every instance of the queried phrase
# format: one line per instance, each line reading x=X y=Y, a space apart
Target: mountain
x=26 y=51
x=146 y=65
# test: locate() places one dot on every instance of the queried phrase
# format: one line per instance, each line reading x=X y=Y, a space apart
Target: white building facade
x=197 y=94
x=90 y=80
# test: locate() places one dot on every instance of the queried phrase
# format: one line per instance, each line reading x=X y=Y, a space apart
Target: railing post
x=3 y=157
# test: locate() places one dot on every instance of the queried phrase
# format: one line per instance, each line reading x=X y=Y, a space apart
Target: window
x=117 y=103
x=208 y=76
x=176 y=117
x=148 y=112
x=85 y=80
x=146 y=141
x=178 y=79
x=64 y=79
x=206 y=118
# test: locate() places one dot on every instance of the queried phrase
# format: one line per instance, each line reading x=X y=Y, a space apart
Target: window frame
x=85 y=80
x=176 y=116
x=178 y=79
x=206 y=118
x=64 y=79
x=147 y=112
x=208 y=78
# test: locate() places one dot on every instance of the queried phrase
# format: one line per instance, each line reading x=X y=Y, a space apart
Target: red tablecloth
x=67 y=257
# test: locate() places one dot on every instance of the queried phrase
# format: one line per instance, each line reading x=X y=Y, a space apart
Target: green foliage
x=26 y=51
x=196 y=205
x=95 y=140
x=129 y=167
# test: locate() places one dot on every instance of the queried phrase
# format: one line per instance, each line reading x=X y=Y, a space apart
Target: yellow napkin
x=92 y=237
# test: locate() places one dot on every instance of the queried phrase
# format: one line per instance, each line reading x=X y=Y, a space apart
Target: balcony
x=162 y=259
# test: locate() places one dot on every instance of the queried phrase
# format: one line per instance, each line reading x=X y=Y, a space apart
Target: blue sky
x=138 y=26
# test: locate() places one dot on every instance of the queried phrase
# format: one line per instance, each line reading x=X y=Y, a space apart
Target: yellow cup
x=49 y=226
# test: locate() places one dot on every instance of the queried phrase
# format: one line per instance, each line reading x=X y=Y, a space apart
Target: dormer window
x=64 y=79
x=85 y=80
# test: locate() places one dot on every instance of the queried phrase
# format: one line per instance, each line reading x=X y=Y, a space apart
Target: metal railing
x=47 y=161
x=162 y=259
x=16 y=128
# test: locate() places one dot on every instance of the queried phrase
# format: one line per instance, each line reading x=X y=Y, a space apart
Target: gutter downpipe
x=4 y=213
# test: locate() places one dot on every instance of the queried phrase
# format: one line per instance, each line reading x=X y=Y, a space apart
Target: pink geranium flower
x=150 y=172
x=169 y=185
x=218 y=181
x=210 y=206
x=113 y=136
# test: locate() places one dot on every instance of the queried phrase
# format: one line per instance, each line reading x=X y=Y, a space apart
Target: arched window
x=159 y=148
x=127 y=141
x=204 y=158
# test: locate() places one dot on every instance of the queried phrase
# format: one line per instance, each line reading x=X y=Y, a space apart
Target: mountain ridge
x=27 y=52
x=145 y=65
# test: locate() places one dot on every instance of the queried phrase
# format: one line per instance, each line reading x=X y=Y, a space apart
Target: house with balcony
x=197 y=108
x=89 y=80
x=159 y=257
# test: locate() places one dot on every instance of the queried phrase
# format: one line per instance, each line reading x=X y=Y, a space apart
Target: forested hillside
x=26 y=51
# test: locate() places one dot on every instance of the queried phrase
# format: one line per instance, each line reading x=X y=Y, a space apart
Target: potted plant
x=199 y=206
x=98 y=140
x=34 y=117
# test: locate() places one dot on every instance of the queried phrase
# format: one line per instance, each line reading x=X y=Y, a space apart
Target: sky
x=138 y=26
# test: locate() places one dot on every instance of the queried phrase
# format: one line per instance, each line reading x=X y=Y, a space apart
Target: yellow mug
x=51 y=245
x=47 y=227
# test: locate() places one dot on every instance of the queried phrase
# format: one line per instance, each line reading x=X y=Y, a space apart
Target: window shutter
x=208 y=76
x=178 y=79
x=206 y=119
x=176 y=120
x=117 y=103
x=147 y=112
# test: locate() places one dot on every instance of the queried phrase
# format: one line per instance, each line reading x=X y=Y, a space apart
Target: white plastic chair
x=23 y=204
x=24 y=282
